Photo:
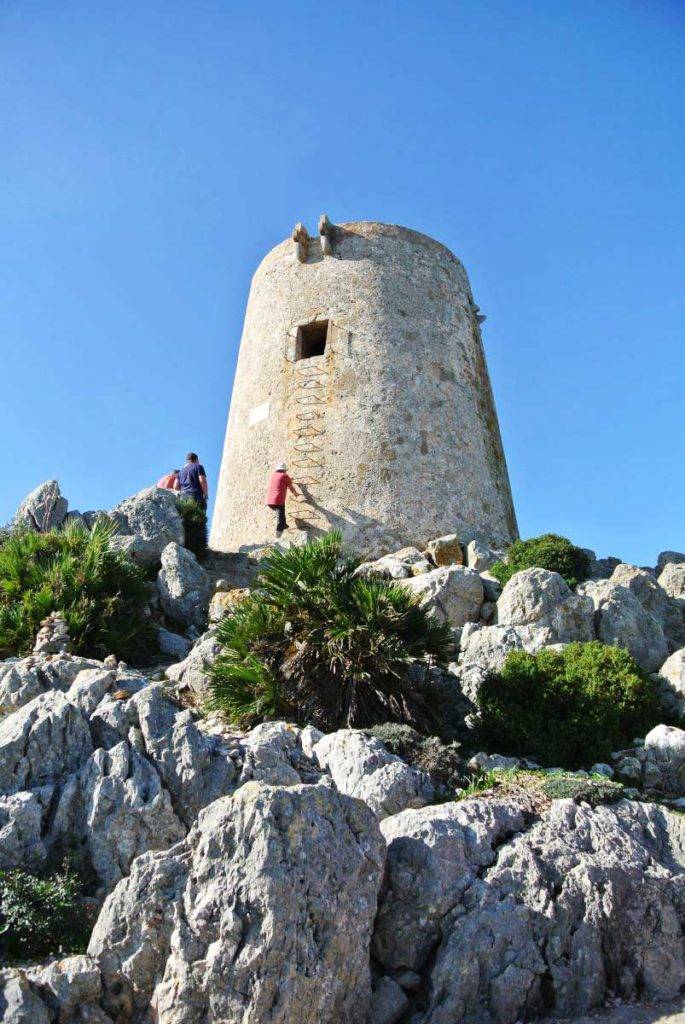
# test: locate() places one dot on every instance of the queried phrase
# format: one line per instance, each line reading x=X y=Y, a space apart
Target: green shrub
x=548 y=551
x=427 y=753
x=39 y=916
x=592 y=790
x=316 y=643
x=194 y=516
x=566 y=708
x=100 y=592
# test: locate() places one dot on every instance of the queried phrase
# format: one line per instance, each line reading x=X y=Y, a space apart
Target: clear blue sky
x=151 y=152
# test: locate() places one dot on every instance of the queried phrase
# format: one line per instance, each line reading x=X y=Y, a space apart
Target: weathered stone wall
x=392 y=432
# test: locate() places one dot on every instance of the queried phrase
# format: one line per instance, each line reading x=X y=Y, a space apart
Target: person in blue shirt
x=193 y=480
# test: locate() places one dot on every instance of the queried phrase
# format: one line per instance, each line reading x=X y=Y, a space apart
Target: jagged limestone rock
x=147 y=522
x=453 y=593
x=584 y=902
x=362 y=767
x=540 y=598
x=621 y=621
x=263 y=915
x=671 y=682
x=42 y=743
x=193 y=672
x=184 y=587
x=43 y=509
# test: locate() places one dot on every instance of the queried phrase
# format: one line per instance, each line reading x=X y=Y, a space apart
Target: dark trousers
x=281 y=524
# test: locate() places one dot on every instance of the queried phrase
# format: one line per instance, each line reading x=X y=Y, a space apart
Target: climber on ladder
x=279 y=485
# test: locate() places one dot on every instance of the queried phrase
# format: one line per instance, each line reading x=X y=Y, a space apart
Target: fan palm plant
x=72 y=570
x=317 y=643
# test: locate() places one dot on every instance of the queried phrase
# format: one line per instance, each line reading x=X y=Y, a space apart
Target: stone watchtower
x=361 y=366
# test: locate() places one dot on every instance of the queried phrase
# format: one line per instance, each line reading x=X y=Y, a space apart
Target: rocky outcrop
x=453 y=593
x=192 y=674
x=184 y=587
x=262 y=916
x=146 y=523
x=540 y=598
x=654 y=599
x=671 y=681
x=583 y=902
x=361 y=766
x=621 y=620
x=43 y=509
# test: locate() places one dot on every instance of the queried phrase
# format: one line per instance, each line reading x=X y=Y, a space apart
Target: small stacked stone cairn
x=53 y=636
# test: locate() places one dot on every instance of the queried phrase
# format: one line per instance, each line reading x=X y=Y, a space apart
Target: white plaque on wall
x=258 y=413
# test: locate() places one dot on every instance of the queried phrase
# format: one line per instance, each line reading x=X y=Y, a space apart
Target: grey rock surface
x=43 y=509
x=19 y=1004
x=434 y=855
x=147 y=522
x=68 y=988
x=654 y=598
x=454 y=593
x=22 y=679
x=192 y=673
x=445 y=550
x=21 y=839
x=666 y=557
x=42 y=743
x=540 y=598
x=582 y=902
x=362 y=767
x=184 y=587
x=173 y=644
x=672 y=581
x=621 y=621
x=262 y=916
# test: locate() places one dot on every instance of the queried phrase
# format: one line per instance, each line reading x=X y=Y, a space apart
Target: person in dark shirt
x=193 y=480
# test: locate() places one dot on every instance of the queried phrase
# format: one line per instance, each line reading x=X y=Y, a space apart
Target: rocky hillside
x=277 y=875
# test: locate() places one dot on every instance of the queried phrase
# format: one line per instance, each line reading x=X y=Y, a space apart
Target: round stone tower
x=361 y=366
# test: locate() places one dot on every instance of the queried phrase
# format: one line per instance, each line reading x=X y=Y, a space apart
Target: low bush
x=194 y=516
x=536 y=788
x=427 y=753
x=73 y=571
x=566 y=708
x=316 y=643
x=41 y=915
x=548 y=551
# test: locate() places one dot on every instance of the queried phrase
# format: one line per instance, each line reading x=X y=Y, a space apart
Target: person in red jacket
x=279 y=485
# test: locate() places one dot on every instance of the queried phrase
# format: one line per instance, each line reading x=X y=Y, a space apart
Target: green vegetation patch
x=194 y=516
x=316 y=643
x=566 y=708
x=100 y=592
x=427 y=753
x=41 y=915
x=536 y=788
x=549 y=551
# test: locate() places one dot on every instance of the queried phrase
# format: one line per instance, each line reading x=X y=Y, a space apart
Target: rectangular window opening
x=311 y=339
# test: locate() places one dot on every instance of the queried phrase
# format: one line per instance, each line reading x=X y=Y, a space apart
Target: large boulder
x=434 y=855
x=654 y=599
x=42 y=743
x=362 y=767
x=192 y=674
x=184 y=587
x=263 y=915
x=452 y=592
x=669 y=557
x=540 y=598
x=665 y=746
x=672 y=581
x=147 y=522
x=71 y=989
x=621 y=621
x=119 y=809
x=21 y=830
x=585 y=903
x=485 y=650
x=19 y=1003
x=194 y=768
x=445 y=550
x=22 y=679
x=43 y=509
